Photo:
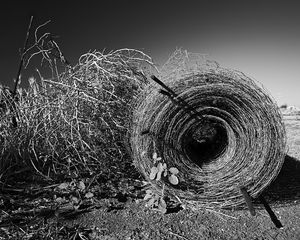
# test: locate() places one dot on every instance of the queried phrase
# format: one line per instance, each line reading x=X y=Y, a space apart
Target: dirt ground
x=136 y=222
x=108 y=214
x=129 y=219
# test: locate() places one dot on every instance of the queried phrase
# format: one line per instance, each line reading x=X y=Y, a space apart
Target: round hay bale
x=231 y=137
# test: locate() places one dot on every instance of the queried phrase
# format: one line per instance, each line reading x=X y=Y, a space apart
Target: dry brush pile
x=216 y=126
x=76 y=121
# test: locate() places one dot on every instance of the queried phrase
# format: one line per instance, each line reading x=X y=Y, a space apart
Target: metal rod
x=248 y=200
x=179 y=101
x=272 y=215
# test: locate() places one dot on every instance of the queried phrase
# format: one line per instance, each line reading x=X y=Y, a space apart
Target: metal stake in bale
x=272 y=215
x=173 y=96
x=248 y=201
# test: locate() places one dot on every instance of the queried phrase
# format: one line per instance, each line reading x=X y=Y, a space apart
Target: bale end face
x=218 y=128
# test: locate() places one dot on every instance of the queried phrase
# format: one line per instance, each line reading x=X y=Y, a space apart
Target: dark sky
x=259 y=38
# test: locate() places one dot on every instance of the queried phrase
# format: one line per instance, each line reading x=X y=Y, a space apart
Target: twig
x=177 y=235
x=22 y=57
x=226 y=215
x=14 y=92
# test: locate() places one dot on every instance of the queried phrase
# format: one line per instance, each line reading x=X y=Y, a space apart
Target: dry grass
x=76 y=121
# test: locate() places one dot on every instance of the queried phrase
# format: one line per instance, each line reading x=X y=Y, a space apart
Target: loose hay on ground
x=76 y=121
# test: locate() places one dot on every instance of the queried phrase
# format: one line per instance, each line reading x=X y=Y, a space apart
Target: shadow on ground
x=286 y=187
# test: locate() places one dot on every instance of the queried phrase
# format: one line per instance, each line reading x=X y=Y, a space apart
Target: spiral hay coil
x=235 y=139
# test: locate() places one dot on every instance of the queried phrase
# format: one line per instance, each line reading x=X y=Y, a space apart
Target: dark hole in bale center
x=204 y=145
